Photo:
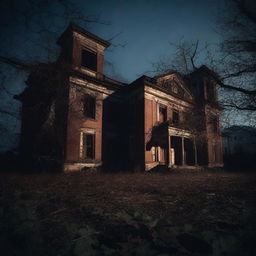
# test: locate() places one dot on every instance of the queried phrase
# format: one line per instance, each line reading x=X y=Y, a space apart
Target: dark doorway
x=189 y=152
x=176 y=145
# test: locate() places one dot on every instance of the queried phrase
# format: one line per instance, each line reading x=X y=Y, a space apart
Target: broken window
x=89 y=60
x=175 y=116
x=88 y=146
x=89 y=106
x=162 y=113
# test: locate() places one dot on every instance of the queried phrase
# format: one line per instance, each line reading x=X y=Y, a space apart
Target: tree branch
x=193 y=55
x=249 y=108
x=234 y=88
x=9 y=113
x=245 y=10
x=227 y=86
x=15 y=63
x=240 y=72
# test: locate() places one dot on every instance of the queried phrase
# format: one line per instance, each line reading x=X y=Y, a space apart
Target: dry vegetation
x=206 y=213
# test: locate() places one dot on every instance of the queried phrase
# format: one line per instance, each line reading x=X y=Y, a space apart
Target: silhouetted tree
x=41 y=21
x=235 y=64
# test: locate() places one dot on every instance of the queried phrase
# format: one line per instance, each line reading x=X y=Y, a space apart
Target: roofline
x=168 y=73
x=148 y=81
x=104 y=80
x=75 y=28
x=206 y=71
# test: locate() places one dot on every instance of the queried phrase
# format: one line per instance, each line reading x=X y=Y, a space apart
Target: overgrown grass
x=192 y=213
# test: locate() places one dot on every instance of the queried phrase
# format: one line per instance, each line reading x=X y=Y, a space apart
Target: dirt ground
x=191 y=213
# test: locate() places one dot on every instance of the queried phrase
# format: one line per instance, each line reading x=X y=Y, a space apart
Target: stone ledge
x=79 y=166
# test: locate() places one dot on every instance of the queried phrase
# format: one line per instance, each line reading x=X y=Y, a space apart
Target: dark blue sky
x=148 y=28
x=145 y=27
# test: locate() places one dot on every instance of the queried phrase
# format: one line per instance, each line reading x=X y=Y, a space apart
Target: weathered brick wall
x=78 y=123
x=150 y=112
x=80 y=43
x=150 y=120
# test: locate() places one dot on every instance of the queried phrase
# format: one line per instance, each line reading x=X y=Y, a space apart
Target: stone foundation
x=79 y=166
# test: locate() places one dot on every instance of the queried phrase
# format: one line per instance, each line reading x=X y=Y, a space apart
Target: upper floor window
x=162 y=113
x=175 y=116
x=89 y=60
x=89 y=106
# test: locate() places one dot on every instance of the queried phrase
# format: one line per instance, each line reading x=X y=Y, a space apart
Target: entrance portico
x=181 y=148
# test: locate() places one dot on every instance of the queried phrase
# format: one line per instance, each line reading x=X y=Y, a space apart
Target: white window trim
x=153 y=151
x=159 y=154
x=82 y=132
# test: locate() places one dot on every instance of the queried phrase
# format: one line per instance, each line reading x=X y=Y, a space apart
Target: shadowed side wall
x=135 y=125
x=115 y=147
x=78 y=124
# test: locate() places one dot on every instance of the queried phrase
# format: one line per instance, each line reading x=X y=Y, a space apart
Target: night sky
x=143 y=32
x=149 y=27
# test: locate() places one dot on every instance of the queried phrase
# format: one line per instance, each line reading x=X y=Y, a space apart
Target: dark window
x=88 y=146
x=89 y=60
x=162 y=114
x=175 y=116
x=89 y=106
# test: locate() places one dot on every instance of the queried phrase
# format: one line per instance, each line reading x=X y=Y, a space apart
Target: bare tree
x=235 y=64
x=28 y=36
x=239 y=55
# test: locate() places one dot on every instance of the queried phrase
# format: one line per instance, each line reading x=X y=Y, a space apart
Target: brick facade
x=133 y=126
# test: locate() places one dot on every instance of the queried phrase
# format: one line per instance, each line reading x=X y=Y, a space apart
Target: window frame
x=83 y=61
x=91 y=105
x=164 y=113
x=178 y=115
x=83 y=150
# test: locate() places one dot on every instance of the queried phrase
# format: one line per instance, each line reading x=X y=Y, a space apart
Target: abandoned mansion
x=75 y=117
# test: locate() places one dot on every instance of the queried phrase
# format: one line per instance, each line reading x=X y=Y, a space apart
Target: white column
x=157 y=111
x=169 y=151
x=159 y=153
x=81 y=148
x=195 y=151
x=183 y=151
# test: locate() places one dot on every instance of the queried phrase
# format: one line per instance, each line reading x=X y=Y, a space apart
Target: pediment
x=174 y=84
